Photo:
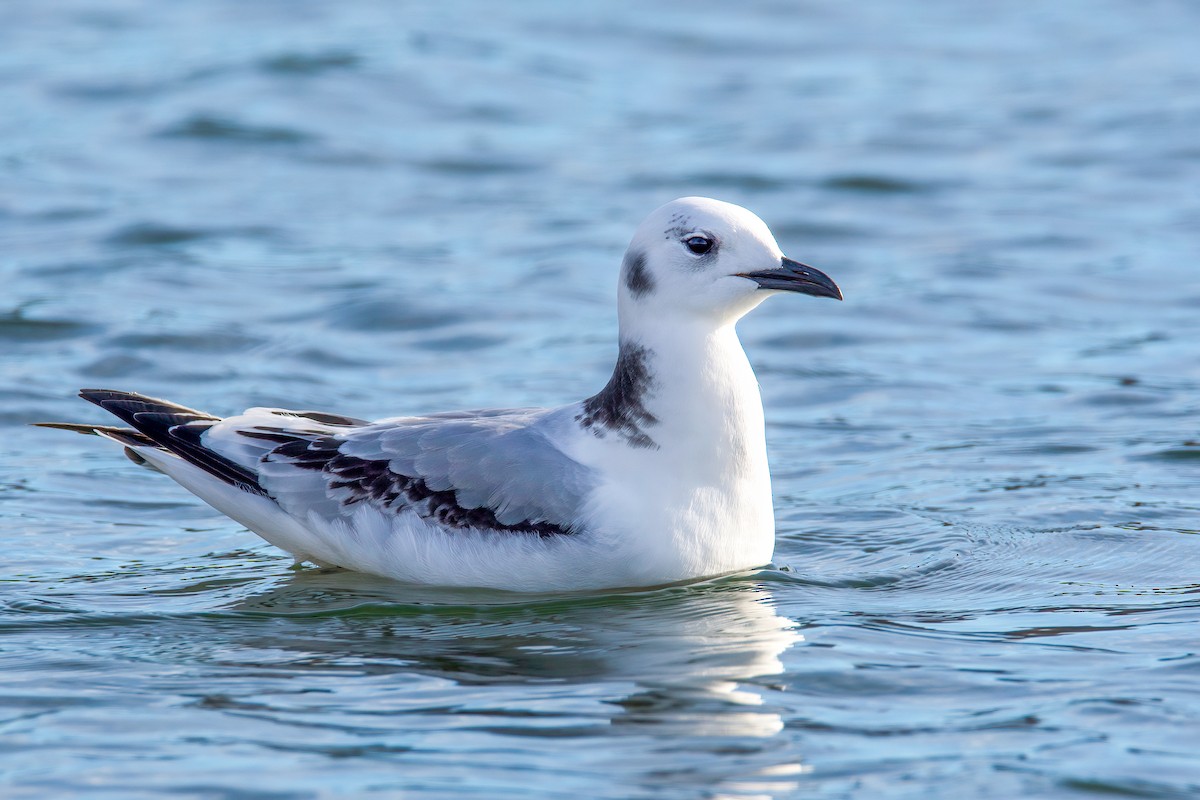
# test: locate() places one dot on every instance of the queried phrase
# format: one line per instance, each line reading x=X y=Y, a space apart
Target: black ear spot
x=637 y=278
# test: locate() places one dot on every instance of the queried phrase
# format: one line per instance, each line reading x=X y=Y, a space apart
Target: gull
x=661 y=477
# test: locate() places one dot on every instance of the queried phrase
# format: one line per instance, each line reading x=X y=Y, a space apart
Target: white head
x=701 y=257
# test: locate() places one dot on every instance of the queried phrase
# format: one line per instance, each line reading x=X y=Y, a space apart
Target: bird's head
x=706 y=258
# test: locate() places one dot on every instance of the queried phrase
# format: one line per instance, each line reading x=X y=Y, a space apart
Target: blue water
x=986 y=461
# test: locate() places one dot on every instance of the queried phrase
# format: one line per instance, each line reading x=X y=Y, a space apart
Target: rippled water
x=987 y=460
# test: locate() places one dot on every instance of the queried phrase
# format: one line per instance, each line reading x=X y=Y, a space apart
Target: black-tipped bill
x=792 y=276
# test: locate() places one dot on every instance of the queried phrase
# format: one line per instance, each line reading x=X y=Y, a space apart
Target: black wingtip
x=112 y=399
x=174 y=428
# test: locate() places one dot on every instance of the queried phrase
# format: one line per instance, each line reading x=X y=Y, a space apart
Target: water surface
x=986 y=461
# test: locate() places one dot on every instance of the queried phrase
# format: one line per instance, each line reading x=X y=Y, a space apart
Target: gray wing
x=496 y=470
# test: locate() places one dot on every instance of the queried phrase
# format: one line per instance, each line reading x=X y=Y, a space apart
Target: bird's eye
x=698 y=244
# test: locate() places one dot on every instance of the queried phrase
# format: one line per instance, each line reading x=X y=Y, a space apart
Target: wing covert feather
x=456 y=468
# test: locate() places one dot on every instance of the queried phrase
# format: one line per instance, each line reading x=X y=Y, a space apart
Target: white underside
x=406 y=548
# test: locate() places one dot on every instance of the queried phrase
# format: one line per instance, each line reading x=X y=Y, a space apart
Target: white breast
x=699 y=501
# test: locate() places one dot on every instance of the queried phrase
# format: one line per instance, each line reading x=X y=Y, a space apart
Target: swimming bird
x=660 y=477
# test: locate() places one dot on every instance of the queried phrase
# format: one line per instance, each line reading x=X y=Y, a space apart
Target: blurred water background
x=986 y=461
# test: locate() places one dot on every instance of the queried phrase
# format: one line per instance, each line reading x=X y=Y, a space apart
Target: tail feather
x=128 y=434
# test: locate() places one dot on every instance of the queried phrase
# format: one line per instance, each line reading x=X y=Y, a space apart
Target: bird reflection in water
x=687 y=668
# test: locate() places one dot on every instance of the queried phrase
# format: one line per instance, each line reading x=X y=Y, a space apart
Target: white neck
x=701 y=391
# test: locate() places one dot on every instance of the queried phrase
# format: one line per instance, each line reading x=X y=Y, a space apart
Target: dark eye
x=698 y=244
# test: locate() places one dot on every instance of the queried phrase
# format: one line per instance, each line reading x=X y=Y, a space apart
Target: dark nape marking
x=637 y=278
x=361 y=480
x=620 y=406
